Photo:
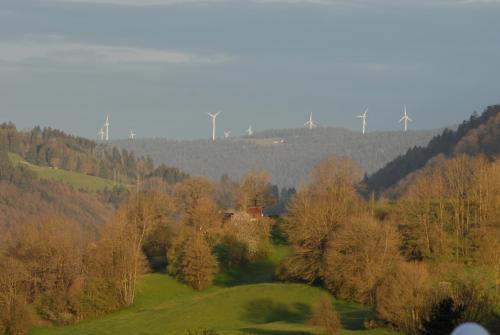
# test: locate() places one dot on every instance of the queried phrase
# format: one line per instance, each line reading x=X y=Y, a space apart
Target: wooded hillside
x=478 y=135
x=54 y=148
x=47 y=172
x=288 y=161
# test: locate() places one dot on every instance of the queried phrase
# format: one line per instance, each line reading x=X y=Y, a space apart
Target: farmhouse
x=255 y=213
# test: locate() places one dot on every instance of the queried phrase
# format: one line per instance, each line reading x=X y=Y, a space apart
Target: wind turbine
x=310 y=124
x=364 y=116
x=405 y=119
x=106 y=126
x=249 y=131
x=101 y=134
x=227 y=133
x=132 y=135
x=213 y=116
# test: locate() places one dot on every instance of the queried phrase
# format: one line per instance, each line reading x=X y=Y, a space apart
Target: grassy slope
x=232 y=306
x=77 y=180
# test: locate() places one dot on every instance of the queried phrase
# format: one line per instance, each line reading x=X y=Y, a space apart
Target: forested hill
x=478 y=135
x=53 y=148
x=288 y=155
x=46 y=172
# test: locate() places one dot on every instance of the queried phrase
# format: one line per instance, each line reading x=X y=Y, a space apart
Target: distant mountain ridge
x=478 y=135
x=288 y=155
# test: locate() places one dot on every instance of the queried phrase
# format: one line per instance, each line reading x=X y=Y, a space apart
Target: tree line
x=53 y=148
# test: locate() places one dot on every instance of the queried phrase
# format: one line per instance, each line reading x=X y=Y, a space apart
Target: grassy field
x=76 y=180
x=239 y=303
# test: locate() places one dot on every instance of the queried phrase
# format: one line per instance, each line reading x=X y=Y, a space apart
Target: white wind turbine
x=106 y=126
x=249 y=131
x=227 y=133
x=101 y=134
x=310 y=124
x=213 y=116
x=132 y=134
x=405 y=119
x=364 y=116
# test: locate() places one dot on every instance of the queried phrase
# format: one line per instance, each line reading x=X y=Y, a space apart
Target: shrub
x=325 y=316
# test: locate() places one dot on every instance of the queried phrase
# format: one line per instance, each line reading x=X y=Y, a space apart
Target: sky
x=158 y=66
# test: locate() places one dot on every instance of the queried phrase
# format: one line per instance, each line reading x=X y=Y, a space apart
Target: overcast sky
x=158 y=66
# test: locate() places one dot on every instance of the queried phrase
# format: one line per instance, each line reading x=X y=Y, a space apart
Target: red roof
x=255 y=212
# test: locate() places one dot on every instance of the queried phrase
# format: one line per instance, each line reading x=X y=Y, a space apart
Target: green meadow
x=76 y=180
x=240 y=302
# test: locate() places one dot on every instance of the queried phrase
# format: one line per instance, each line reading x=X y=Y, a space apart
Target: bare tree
x=255 y=189
x=325 y=316
x=192 y=260
x=316 y=213
x=359 y=256
x=402 y=297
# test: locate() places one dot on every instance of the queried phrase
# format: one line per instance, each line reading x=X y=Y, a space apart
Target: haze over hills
x=288 y=154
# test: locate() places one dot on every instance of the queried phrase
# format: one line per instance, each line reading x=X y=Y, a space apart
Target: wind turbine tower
x=310 y=124
x=249 y=131
x=227 y=133
x=364 y=117
x=132 y=135
x=213 y=116
x=405 y=119
x=106 y=126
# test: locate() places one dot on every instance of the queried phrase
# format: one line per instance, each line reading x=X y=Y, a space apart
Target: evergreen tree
x=444 y=317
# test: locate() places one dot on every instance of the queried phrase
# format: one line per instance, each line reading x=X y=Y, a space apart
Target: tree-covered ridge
x=54 y=148
x=287 y=154
x=31 y=186
x=478 y=135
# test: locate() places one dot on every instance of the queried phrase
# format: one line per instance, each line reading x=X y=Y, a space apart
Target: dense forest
x=478 y=135
x=288 y=162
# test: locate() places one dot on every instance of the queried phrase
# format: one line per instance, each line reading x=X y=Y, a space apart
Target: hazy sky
x=158 y=66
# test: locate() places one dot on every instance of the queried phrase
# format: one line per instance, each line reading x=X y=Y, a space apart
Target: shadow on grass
x=256 y=331
x=353 y=316
x=252 y=273
x=266 y=311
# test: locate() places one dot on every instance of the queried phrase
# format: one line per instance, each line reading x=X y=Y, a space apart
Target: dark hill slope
x=288 y=155
x=478 y=135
